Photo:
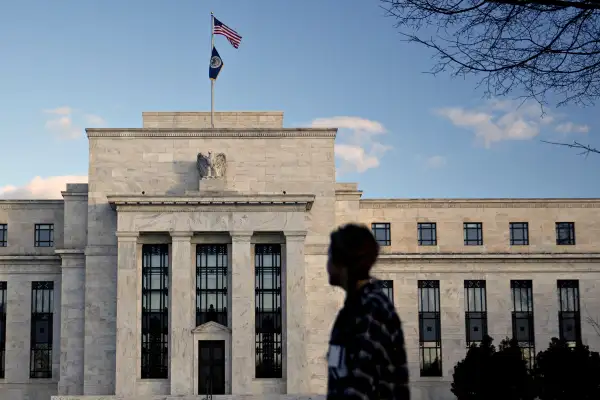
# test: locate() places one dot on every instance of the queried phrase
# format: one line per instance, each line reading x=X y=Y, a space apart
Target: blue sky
x=66 y=65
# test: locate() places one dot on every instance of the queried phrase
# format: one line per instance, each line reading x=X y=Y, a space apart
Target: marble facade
x=279 y=188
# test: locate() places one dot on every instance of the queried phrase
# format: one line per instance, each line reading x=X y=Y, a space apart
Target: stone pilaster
x=18 y=334
x=242 y=313
x=181 y=315
x=128 y=293
x=297 y=378
x=72 y=321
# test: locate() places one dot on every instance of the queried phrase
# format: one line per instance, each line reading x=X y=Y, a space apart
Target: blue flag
x=215 y=64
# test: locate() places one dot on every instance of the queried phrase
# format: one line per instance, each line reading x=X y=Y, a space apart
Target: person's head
x=352 y=252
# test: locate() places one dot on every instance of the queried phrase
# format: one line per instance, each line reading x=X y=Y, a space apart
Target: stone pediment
x=211 y=327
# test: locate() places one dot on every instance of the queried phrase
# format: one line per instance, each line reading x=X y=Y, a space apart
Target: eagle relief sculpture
x=212 y=165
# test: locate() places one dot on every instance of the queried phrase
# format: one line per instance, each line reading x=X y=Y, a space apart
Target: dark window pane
x=565 y=233
x=519 y=233
x=44 y=235
x=42 y=318
x=430 y=332
x=475 y=311
x=268 y=336
x=3 y=287
x=427 y=235
x=155 y=314
x=3 y=235
x=211 y=283
x=388 y=289
x=569 y=317
x=473 y=233
x=382 y=233
x=522 y=318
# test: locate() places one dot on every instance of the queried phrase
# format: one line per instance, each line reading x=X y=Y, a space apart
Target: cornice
x=480 y=203
x=246 y=133
x=30 y=269
x=70 y=252
x=254 y=202
x=31 y=204
x=348 y=194
x=394 y=258
x=12 y=259
x=79 y=195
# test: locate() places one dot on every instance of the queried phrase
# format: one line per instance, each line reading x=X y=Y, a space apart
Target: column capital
x=241 y=236
x=295 y=235
x=124 y=236
x=181 y=235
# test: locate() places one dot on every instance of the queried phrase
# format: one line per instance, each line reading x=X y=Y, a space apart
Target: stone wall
x=163 y=161
x=20 y=264
x=222 y=120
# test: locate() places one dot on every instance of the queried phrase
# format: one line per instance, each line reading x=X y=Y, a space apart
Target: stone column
x=242 y=313
x=72 y=313
x=128 y=294
x=295 y=312
x=181 y=315
x=18 y=334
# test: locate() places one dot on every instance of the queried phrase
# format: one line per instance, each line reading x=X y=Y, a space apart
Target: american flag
x=221 y=29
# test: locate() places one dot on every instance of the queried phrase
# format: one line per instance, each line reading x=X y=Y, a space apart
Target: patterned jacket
x=367 y=358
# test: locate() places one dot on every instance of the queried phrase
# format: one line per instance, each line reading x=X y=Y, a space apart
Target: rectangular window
x=211 y=283
x=565 y=233
x=427 y=233
x=519 y=233
x=155 y=313
x=473 y=233
x=388 y=289
x=42 y=314
x=44 y=235
x=3 y=235
x=475 y=311
x=430 y=335
x=569 y=318
x=2 y=328
x=382 y=233
x=522 y=318
x=268 y=337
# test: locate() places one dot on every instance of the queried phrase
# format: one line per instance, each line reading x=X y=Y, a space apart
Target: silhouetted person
x=211 y=315
x=367 y=358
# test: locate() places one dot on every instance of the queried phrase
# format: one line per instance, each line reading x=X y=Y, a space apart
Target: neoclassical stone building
x=193 y=262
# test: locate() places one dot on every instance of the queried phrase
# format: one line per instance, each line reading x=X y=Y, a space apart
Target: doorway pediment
x=210 y=327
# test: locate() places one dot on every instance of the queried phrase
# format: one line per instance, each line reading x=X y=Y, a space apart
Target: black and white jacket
x=367 y=358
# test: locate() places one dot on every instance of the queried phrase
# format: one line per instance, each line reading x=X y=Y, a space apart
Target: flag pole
x=212 y=81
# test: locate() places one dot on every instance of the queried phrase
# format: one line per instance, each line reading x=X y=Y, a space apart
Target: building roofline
x=230 y=112
x=247 y=133
x=484 y=199
x=30 y=204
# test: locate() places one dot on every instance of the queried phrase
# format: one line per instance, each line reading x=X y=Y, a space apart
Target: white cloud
x=435 y=161
x=63 y=125
x=95 y=120
x=496 y=120
x=41 y=188
x=356 y=146
x=64 y=110
x=569 y=127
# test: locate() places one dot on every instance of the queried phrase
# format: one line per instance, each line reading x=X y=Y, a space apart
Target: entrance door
x=211 y=367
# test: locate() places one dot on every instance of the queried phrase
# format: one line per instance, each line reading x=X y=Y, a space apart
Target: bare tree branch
x=576 y=145
x=540 y=47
